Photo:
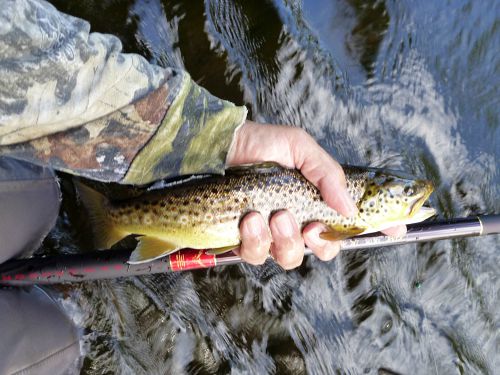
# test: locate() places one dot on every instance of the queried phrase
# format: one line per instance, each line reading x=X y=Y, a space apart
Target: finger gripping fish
x=206 y=212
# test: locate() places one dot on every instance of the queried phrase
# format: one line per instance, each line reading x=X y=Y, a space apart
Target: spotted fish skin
x=205 y=212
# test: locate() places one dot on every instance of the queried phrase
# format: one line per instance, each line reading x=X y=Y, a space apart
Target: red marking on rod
x=191 y=259
x=6 y=277
x=33 y=276
x=104 y=268
x=118 y=267
x=46 y=274
x=89 y=269
x=20 y=276
x=59 y=273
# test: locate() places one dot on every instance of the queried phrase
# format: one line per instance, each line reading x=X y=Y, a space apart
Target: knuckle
x=322 y=254
x=300 y=134
x=254 y=250
x=266 y=240
x=292 y=264
x=261 y=251
x=339 y=172
x=328 y=252
x=255 y=261
x=319 y=252
x=289 y=254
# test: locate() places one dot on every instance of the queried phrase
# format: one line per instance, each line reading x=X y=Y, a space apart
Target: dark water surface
x=411 y=85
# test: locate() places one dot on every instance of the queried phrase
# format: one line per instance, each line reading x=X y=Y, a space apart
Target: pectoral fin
x=221 y=250
x=340 y=233
x=150 y=248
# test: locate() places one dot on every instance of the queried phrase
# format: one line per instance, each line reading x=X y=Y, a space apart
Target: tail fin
x=105 y=233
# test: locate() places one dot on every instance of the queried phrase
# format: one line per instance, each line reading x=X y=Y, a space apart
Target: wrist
x=237 y=142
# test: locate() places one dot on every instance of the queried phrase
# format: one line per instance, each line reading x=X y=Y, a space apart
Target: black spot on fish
x=361 y=210
x=197 y=200
x=137 y=206
x=185 y=203
x=214 y=191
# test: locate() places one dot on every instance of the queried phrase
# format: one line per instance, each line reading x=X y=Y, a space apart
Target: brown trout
x=205 y=212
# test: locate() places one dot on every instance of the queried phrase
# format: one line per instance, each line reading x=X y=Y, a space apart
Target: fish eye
x=386 y=327
x=408 y=190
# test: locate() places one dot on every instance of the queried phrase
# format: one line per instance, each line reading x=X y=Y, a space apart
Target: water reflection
x=407 y=85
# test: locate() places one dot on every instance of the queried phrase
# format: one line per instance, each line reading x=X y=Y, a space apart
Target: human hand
x=293 y=148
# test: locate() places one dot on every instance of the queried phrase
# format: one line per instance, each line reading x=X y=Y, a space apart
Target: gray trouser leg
x=35 y=335
x=29 y=204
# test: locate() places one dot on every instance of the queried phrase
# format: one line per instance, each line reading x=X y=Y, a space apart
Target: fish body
x=206 y=212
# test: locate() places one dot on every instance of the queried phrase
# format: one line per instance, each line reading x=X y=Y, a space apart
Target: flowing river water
x=410 y=85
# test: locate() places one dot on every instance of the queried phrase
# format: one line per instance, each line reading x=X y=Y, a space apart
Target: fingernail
x=349 y=206
x=284 y=224
x=253 y=226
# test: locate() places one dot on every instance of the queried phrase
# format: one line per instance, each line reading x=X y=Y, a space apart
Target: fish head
x=391 y=200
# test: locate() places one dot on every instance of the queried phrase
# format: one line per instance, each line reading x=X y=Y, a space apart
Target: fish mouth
x=417 y=208
x=423 y=214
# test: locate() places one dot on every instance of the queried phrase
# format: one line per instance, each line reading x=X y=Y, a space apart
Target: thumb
x=325 y=173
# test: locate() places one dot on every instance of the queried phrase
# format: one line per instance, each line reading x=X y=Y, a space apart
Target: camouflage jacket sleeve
x=71 y=100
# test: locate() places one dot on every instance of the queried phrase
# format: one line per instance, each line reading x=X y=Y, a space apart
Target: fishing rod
x=113 y=264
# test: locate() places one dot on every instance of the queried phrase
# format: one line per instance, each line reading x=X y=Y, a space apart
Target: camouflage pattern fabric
x=69 y=99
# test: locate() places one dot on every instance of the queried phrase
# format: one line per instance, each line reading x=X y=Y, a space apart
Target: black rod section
x=112 y=264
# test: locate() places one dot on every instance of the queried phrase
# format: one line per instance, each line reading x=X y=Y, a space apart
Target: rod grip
x=490 y=224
